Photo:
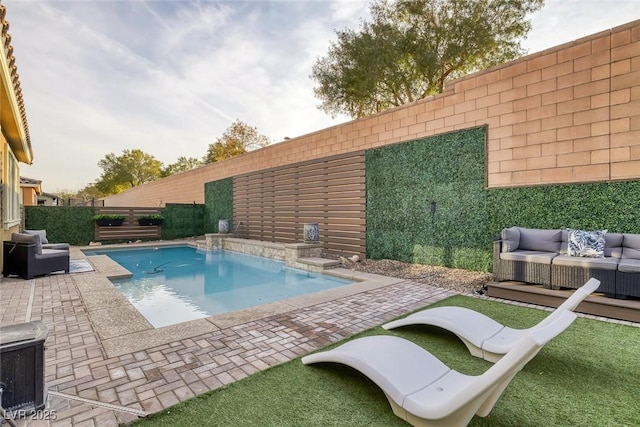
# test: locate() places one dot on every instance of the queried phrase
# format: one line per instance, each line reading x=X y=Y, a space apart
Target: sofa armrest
x=16 y=256
x=58 y=246
x=497 y=248
x=18 y=250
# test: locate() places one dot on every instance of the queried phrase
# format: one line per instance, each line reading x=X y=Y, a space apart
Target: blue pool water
x=175 y=284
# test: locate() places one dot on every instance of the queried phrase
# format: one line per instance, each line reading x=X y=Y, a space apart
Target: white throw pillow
x=582 y=243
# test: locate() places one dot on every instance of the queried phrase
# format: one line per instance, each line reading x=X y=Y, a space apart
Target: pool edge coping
x=123 y=329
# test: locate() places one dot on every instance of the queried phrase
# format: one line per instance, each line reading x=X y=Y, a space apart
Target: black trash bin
x=22 y=366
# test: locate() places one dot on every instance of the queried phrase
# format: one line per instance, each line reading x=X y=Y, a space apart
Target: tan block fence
x=569 y=114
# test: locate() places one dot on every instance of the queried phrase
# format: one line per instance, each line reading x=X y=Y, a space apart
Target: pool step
x=321 y=263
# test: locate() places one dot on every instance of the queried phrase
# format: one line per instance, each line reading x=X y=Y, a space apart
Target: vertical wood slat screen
x=274 y=204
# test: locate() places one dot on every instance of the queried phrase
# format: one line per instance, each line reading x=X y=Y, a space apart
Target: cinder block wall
x=569 y=114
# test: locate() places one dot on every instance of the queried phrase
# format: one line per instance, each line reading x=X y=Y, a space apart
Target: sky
x=169 y=77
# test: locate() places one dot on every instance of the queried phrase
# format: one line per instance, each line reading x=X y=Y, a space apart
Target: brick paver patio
x=87 y=388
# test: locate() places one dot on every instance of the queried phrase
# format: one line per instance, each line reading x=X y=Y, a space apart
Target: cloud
x=168 y=77
x=561 y=21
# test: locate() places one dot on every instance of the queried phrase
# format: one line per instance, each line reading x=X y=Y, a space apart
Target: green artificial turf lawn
x=587 y=376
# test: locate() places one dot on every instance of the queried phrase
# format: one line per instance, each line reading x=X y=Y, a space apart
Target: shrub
x=107 y=216
x=158 y=217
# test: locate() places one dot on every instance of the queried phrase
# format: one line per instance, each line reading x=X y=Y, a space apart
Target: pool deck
x=106 y=365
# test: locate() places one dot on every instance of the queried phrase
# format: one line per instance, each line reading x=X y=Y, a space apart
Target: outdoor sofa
x=45 y=241
x=549 y=258
x=24 y=256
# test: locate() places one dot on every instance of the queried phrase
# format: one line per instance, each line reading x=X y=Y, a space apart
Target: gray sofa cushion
x=629 y=265
x=510 y=239
x=532 y=239
x=45 y=241
x=631 y=246
x=613 y=245
x=64 y=246
x=28 y=238
x=597 y=263
x=52 y=253
x=41 y=233
x=529 y=256
x=564 y=243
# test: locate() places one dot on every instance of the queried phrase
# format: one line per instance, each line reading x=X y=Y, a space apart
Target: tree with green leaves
x=237 y=139
x=131 y=169
x=89 y=193
x=410 y=49
x=183 y=164
x=81 y=197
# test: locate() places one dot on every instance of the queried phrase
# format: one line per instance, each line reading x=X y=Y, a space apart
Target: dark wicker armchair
x=23 y=259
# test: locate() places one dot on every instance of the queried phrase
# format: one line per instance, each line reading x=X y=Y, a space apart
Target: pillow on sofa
x=582 y=243
x=631 y=246
x=533 y=239
x=41 y=233
x=613 y=245
x=564 y=245
x=28 y=238
x=510 y=239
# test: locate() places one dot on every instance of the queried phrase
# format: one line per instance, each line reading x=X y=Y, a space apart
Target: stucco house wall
x=15 y=143
x=569 y=114
x=31 y=189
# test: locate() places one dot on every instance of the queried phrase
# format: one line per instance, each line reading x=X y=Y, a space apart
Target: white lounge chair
x=424 y=391
x=483 y=336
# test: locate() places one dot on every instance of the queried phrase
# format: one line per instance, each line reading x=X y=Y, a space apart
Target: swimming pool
x=176 y=284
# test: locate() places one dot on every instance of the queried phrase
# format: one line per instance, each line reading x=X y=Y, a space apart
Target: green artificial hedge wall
x=70 y=224
x=612 y=206
x=403 y=179
x=218 y=200
x=182 y=220
x=75 y=224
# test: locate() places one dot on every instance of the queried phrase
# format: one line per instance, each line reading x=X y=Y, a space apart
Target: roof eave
x=13 y=117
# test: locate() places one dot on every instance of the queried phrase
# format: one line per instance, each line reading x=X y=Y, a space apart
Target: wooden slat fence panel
x=274 y=204
x=129 y=228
